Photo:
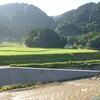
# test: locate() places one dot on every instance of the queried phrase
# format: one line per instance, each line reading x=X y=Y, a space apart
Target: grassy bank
x=20 y=86
x=74 y=64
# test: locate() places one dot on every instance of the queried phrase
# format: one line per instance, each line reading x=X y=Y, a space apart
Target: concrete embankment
x=32 y=75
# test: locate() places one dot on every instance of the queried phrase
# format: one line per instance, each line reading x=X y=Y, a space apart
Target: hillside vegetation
x=21 y=18
x=82 y=20
x=81 y=26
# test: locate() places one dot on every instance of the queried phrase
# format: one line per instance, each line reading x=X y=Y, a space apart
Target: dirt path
x=84 y=89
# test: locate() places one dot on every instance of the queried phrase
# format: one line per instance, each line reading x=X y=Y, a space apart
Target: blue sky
x=53 y=7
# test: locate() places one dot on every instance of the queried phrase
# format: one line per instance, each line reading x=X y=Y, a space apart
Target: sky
x=52 y=7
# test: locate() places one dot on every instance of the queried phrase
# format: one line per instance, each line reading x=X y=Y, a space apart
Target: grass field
x=38 y=51
x=48 y=57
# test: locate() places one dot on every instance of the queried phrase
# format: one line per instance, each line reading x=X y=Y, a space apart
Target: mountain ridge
x=86 y=18
x=21 y=18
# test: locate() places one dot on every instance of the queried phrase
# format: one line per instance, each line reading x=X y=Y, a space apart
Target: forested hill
x=82 y=20
x=21 y=18
x=16 y=20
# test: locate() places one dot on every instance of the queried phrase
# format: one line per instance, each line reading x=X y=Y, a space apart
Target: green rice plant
x=15 y=55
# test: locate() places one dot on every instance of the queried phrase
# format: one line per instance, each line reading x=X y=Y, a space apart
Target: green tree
x=28 y=40
x=43 y=38
x=94 y=43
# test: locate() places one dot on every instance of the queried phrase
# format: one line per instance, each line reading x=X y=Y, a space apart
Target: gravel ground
x=83 y=89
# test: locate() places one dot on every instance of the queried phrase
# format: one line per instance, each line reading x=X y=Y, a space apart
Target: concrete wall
x=31 y=75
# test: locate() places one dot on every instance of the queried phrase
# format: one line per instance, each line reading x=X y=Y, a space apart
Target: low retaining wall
x=32 y=75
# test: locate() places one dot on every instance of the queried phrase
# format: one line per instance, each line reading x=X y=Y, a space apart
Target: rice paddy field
x=8 y=51
x=21 y=56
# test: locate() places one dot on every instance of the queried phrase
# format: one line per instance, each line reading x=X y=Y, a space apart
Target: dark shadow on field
x=37 y=58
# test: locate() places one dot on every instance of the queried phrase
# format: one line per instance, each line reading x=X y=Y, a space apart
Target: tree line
x=48 y=38
x=89 y=40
